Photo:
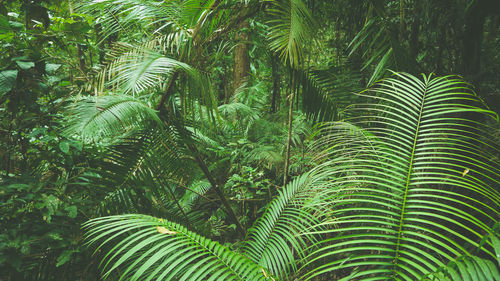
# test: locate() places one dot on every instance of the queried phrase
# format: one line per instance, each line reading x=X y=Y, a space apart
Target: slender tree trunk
x=290 y=127
x=402 y=27
x=276 y=83
x=79 y=48
x=415 y=28
x=81 y=57
x=241 y=56
x=289 y=140
x=168 y=90
x=493 y=28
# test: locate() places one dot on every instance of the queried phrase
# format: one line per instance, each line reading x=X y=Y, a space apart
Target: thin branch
x=217 y=189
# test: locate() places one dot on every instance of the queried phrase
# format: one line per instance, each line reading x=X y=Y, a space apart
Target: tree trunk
x=241 y=56
x=290 y=126
x=472 y=42
x=402 y=26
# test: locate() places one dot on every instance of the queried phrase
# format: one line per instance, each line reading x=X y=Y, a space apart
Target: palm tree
x=405 y=188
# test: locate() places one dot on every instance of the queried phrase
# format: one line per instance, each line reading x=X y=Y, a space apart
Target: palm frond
x=118 y=201
x=466 y=268
x=120 y=15
x=235 y=110
x=156 y=249
x=382 y=49
x=267 y=155
x=108 y=117
x=291 y=27
x=140 y=70
x=280 y=236
x=136 y=69
x=328 y=92
x=155 y=164
x=470 y=267
x=417 y=190
x=193 y=193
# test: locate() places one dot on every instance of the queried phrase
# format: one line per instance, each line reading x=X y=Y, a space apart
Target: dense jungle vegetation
x=249 y=140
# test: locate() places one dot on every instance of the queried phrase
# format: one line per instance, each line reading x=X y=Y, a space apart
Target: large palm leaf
x=467 y=268
x=153 y=165
x=413 y=190
x=144 y=158
x=140 y=69
x=410 y=183
x=326 y=93
x=156 y=249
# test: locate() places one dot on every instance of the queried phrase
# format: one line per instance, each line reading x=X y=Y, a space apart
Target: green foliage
x=136 y=70
x=108 y=117
x=7 y=81
x=382 y=202
x=291 y=27
x=55 y=196
x=124 y=114
x=468 y=268
x=471 y=267
x=285 y=229
x=328 y=92
x=414 y=191
x=162 y=250
x=385 y=50
x=249 y=185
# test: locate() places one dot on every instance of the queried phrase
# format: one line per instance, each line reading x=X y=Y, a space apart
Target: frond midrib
x=408 y=178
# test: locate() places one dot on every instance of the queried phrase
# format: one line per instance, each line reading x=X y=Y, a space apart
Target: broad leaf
x=7 y=81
